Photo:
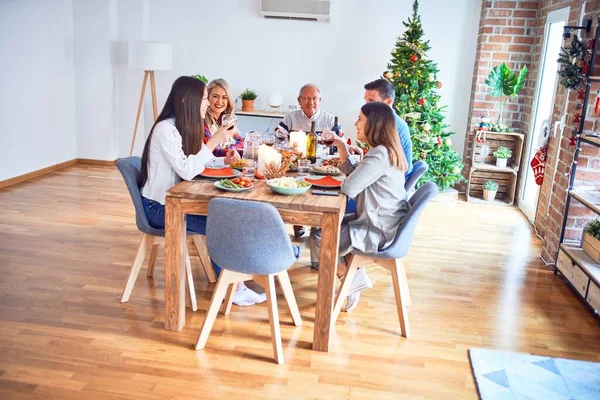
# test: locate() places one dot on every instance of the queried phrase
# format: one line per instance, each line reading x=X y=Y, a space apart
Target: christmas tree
x=414 y=78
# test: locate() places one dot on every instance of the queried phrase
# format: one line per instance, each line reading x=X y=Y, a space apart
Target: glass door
x=542 y=107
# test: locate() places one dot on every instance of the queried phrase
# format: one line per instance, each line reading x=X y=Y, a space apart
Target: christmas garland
x=574 y=63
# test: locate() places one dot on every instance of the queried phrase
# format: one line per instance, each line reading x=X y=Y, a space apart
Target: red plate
x=325 y=182
x=226 y=172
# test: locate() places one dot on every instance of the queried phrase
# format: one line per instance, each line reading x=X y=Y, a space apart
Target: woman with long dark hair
x=176 y=150
x=377 y=185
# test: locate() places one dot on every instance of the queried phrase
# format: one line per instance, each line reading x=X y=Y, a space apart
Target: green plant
x=593 y=228
x=503 y=152
x=201 y=77
x=490 y=185
x=503 y=82
x=248 y=95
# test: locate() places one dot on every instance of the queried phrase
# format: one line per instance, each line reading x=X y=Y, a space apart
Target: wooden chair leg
x=344 y=287
x=229 y=299
x=200 y=244
x=398 y=275
x=405 y=289
x=288 y=292
x=146 y=242
x=152 y=261
x=215 y=303
x=190 y=280
x=269 y=285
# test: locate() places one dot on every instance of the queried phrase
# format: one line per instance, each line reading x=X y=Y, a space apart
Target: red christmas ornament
x=572 y=141
x=586 y=68
x=422 y=101
x=414 y=58
x=580 y=94
x=597 y=106
x=538 y=164
x=576 y=118
x=591 y=43
x=438 y=85
x=349 y=141
x=438 y=141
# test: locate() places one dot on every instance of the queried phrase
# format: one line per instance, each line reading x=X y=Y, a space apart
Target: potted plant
x=248 y=96
x=502 y=155
x=504 y=83
x=201 y=77
x=591 y=240
x=490 y=188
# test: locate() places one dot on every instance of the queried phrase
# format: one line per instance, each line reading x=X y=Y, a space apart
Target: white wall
x=230 y=39
x=37 y=97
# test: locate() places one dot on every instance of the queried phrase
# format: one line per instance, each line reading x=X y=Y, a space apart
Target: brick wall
x=506 y=34
x=513 y=32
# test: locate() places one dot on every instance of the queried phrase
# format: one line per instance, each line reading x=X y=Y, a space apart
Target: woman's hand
x=231 y=156
x=356 y=150
x=220 y=136
x=337 y=140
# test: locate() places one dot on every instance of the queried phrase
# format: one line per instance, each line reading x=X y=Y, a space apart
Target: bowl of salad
x=288 y=185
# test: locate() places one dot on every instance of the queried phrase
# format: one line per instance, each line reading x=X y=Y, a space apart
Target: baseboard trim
x=100 y=163
x=56 y=167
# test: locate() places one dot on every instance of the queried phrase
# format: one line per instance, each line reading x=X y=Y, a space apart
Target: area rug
x=502 y=375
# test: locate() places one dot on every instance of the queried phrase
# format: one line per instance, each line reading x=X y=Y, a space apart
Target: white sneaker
x=360 y=282
x=351 y=302
x=248 y=297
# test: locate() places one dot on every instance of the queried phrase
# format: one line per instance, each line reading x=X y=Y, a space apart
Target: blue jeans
x=350 y=206
x=156 y=217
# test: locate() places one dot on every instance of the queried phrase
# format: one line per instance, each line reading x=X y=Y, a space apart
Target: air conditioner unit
x=311 y=10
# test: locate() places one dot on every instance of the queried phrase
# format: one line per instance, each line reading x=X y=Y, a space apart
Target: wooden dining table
x=192 y=197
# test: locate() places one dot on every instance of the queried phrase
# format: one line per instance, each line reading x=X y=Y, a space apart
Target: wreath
x=573 y=63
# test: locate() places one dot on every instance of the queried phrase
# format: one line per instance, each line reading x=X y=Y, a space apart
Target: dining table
x=308 y=209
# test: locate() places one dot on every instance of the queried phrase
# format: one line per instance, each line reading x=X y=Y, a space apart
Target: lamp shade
x=150 y=56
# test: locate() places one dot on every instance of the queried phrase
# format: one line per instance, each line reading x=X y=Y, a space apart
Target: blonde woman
x=220 y=102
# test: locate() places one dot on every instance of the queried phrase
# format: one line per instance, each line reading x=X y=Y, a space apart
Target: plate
x=219 y=173
x=219 y=185
x=327 y=181
x=288 y=191
x=216 y=163
x=316 y=171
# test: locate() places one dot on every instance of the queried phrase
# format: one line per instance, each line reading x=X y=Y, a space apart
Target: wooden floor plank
x=67 y=241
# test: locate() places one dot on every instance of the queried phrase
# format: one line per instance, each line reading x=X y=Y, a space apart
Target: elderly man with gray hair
x=309 y=99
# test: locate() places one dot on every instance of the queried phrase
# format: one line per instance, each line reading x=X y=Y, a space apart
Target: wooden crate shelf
x=482 y=170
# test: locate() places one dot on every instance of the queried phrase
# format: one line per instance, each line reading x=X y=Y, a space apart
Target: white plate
x=216 y=163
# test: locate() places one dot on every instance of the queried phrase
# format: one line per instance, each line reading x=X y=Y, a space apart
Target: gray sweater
x=381 y=201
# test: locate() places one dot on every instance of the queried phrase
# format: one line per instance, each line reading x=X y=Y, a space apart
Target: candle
x=266 y=155
x=299 y=138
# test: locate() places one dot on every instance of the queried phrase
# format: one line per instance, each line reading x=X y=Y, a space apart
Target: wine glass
x=282 y=137
x=226 y=120
x=269 y=139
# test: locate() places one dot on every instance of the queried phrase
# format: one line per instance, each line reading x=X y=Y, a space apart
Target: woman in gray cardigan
x=377 y=185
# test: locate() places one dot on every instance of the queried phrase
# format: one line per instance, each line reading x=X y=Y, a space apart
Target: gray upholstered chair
x=153 y=238
x=391 y=258
x=259 y=249
x=419 y=169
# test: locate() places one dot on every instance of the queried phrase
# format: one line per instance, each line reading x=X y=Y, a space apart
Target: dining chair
x=391 y=258
x=259 y=249
x=153 y=238
x=419 y=169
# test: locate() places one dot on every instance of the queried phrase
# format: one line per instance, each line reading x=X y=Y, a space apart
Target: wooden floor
x=66 y=244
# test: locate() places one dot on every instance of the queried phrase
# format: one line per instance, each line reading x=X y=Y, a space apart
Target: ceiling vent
x=308 y=10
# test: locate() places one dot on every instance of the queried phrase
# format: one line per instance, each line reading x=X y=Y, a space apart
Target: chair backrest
x=404 y=236
x=130 y=168
x=248 y=237
x=419 y=169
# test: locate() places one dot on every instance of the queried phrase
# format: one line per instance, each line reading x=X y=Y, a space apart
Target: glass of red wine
x=328 y=138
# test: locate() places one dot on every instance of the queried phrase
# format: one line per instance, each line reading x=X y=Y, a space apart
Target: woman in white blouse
x=377 y=185
x=175 y=150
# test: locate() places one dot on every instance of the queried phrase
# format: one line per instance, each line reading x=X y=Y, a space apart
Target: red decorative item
x=438 y=85
x=414 y=58
x=572 y=141
x=422 y=101
x=586 y=68
x=349 y=141
x=580 y=94
x=576 y=118
x=591 y=43
x=438 y=141
x=597 y=106
x=538 y=164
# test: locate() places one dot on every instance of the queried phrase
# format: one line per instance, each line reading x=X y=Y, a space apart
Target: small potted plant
x=248 y=96
x=490 y=188
x=591 y=240
x=502 y=155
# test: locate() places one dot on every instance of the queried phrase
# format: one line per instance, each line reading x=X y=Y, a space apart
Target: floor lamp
x=150 y=57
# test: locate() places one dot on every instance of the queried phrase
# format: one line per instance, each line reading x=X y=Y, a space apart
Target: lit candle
x=266 y=155
x=299 y=138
